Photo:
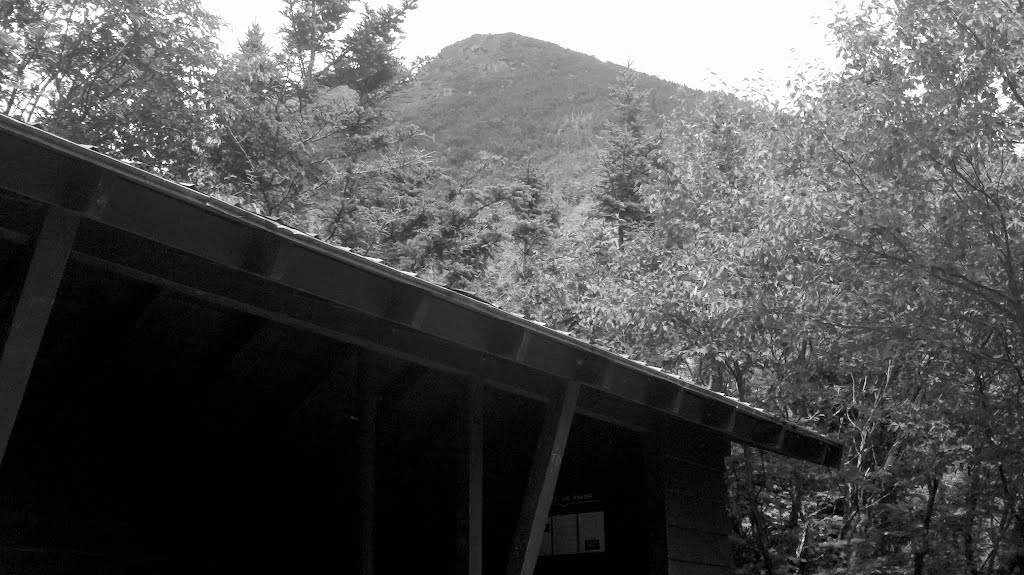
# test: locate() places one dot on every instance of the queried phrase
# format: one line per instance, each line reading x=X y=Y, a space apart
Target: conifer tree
x=627 y=157
x=303 y=133
x=535 y=216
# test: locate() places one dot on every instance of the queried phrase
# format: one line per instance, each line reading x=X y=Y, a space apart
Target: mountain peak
x=519 y=98
x=484 y=42
x=516 y=49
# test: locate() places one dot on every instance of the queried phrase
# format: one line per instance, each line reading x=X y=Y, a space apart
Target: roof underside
x=159 y=233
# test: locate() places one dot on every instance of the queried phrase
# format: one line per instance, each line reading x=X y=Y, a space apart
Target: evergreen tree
x=627 y=160
x=303 y=134
x=458 y=229
x=535 y=216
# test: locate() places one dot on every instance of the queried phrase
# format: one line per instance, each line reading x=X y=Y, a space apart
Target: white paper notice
x=564 y=535
x=591 y=532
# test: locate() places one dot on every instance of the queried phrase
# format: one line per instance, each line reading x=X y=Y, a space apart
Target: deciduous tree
x=131 y=76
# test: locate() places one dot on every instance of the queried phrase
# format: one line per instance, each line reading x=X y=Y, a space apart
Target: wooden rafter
x=540 y=487
x=45 y=271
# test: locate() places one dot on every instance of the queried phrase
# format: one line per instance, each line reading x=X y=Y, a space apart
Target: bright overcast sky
x=699 y=43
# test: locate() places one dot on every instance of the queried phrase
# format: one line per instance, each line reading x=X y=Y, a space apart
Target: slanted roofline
x=162 y=232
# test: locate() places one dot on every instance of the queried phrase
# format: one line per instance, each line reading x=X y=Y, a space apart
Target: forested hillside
x=524 y=100
x=850 y=258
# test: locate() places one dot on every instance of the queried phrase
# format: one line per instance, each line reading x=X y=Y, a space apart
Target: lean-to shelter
x=189 y=387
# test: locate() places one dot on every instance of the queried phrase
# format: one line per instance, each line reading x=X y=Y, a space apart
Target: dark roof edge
x=790 y=439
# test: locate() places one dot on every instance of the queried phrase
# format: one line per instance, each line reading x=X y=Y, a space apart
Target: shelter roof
x=167 y=233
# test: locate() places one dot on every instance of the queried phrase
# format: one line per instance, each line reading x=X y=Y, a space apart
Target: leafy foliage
x=303 y=135
x=127 y=75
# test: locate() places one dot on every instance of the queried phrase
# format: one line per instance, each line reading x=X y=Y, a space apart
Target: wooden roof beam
x=214 y=235
x=32 y=312
x=540 y=487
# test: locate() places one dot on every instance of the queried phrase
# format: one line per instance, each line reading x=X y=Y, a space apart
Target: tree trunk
x=1014 y=564
x=796 y=505
x=925 y=545
x=967 y=530
x=756 y=517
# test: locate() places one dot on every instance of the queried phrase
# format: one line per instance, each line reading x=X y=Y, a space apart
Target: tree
x=859 y=254
x=131 y=76
x=303 y=134
x=310 y=37
x=921 y=133
x=534 y=217
x=458 y=227
x=627 y=157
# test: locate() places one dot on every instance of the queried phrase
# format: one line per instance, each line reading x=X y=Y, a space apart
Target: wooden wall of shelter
x=186 y=387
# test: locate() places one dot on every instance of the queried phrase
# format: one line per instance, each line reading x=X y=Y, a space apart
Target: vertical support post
x=471 y=483
x=654 y=486
x=540 y=487
x=369 y=400
x=31 y=314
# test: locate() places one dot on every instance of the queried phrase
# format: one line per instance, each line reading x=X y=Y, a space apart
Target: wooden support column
x=31 y=314
x=654 y=486
x=369 y=402
x=540 y=487
x=469 y=538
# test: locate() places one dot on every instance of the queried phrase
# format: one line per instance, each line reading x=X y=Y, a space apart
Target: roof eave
x=50 y=170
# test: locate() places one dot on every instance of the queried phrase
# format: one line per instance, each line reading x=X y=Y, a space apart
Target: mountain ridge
x=523 y=99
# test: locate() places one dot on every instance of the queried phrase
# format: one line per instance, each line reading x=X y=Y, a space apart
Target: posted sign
x=576 y=525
